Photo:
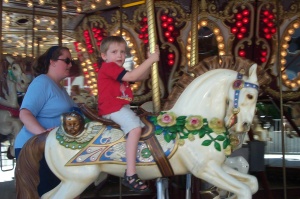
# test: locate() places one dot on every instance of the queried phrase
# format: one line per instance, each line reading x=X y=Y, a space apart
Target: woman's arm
x=31 y=122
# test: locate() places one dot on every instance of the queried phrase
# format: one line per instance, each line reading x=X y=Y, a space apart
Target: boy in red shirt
x=115 y=96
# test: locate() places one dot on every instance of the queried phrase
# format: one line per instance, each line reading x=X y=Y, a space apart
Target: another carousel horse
x=14 y=82
x=191 y=137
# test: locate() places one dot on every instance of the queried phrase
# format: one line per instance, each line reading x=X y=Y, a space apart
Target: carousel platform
x=270 y=186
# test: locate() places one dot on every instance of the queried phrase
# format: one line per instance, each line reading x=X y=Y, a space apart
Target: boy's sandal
x=135 y=183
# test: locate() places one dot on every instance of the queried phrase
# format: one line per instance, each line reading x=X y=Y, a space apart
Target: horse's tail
x=27 y=167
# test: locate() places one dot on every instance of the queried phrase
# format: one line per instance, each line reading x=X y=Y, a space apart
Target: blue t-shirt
x=47 y=102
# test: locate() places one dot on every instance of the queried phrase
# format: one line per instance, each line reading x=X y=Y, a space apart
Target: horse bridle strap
x=237 y=85
x=157 y=152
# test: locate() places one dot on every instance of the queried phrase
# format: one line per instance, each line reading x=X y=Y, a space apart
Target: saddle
x=147 y=136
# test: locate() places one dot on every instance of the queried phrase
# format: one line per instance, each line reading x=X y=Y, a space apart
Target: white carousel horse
x=14 y=81
x=221 y=96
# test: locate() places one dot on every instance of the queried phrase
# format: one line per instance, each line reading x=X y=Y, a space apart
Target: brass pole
x=1 y=9
x=33 y=31
x=59 y=22
x=278 y=56
x=152 y=43
x=194 y=34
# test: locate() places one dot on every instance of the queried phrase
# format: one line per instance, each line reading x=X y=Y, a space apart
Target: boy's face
x=116 y=52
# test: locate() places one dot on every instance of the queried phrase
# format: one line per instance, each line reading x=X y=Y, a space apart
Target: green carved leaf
x=217 y=146
x=206 y=142
x=179 y=128
x=158 y=131
x=182 y=118
x=226 y=143
x=220 y=138
x=167 y=137
x=173 y=129
x=201 y=133
x=173 y=136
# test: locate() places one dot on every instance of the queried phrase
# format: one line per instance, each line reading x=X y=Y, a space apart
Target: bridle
x=238 y=85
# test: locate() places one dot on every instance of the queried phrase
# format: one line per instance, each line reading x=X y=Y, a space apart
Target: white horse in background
x=216 y=99
x=15 y=82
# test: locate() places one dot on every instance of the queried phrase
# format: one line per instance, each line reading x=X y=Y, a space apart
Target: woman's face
x=63 y=65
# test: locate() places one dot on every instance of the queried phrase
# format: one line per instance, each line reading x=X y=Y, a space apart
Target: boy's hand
x=154 y=56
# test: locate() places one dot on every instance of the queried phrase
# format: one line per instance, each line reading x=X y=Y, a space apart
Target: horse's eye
x=249 y=96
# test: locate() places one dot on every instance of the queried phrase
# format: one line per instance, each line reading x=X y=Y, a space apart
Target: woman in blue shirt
x=44 y=102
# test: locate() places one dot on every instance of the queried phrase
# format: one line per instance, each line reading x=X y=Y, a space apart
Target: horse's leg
x=249 y=180
x=214 y=174
x=50 y=193
x=63 y=190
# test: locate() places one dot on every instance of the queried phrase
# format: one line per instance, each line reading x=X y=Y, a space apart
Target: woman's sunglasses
x=67 y=60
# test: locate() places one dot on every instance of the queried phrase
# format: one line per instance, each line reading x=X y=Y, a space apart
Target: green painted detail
x=146 y=153
x=71 y=145
x=187 y=127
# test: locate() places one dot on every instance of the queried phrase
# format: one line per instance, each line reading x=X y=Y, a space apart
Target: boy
x=115 y=96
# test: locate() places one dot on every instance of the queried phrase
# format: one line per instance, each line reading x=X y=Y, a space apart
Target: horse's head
x=242 y=102
x=18 y=75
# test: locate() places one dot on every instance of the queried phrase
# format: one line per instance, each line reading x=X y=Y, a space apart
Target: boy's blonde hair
x=109 y=40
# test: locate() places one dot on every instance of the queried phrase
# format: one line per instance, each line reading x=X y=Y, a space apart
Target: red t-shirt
x=113 y=93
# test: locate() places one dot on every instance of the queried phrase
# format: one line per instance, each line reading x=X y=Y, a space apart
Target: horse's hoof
x=9 y=155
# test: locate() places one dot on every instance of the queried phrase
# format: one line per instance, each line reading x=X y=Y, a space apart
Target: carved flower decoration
x=194 y=123
x=217 y=125
x=166 y=119
x=227 y=150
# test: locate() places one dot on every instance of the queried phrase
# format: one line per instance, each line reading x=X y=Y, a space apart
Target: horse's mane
x=215 y=62
x=27 y=167
x=3 y=76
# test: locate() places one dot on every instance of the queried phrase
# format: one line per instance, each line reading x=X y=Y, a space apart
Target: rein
x=238 y=85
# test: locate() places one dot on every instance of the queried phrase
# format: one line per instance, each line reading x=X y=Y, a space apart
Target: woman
x=45 y=101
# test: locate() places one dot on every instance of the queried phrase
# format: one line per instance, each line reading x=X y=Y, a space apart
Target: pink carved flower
x=166 y=119
x=193 y=123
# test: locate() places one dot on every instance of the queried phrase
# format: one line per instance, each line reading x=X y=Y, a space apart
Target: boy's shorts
x=126 y=118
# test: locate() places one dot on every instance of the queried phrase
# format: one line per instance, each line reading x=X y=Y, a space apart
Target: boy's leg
x=131 y=149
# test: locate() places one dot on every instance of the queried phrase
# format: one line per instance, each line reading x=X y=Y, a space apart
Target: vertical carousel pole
x=194 y=61
x=59 y=21
x=281 y=102
x=152 y=43
x=160 y=182
x=194 y=34
x=1 y=7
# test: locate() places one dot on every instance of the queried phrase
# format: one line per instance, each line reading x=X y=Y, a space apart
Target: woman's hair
x=109 y=40
x=41 y=64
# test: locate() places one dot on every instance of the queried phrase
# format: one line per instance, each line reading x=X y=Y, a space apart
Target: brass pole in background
x=194 y=34
x=59 y=21
x=152 y=43
x=1 y=49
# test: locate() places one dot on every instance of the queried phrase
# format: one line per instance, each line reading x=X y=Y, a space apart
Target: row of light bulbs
x=78 y=9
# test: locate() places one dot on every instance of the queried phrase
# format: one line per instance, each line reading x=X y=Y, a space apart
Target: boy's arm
x=143 y=71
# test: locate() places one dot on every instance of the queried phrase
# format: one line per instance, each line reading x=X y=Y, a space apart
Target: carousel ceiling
x=30 y=27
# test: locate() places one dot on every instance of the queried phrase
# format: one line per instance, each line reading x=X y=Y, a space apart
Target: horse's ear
x=10 y=59
x=252 y=73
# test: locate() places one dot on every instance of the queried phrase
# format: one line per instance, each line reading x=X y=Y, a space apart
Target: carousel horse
x=14 y=82
x=191 y=137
